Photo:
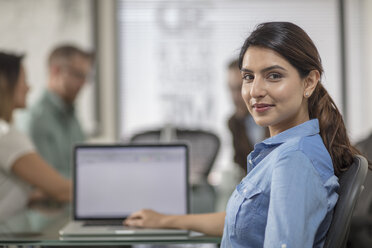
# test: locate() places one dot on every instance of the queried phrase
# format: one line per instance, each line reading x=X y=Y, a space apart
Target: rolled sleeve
x=298 y=203
x=13 y=145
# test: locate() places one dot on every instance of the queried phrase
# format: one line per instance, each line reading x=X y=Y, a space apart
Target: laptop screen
x=113 y=181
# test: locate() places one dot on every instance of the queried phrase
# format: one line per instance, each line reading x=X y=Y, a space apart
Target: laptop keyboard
x=103 y=223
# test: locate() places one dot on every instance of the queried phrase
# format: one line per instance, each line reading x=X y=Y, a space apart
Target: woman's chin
x=261 y=122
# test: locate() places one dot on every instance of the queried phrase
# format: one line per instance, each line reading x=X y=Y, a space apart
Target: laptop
x=113 y=181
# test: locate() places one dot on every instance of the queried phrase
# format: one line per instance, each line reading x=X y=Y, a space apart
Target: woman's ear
x=311 y=81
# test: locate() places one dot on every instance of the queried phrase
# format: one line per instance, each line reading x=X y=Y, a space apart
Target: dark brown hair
x=10 y=67
x=293 y=44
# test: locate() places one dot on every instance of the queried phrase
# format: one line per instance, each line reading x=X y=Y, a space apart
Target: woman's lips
x=262 y=107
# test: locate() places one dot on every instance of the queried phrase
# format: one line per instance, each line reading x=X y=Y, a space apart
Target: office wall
x=359 y=67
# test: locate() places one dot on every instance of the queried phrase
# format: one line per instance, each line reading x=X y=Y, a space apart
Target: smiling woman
x=289 y=46
x=274 y=91
x=287 y=197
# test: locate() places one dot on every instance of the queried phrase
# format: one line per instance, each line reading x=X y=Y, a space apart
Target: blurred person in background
x=244 y=130
x=51 y=122
x=24 y=174
x=245 y=133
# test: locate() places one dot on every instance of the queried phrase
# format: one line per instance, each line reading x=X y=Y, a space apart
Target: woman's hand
x=146 y=218
x=210 y=223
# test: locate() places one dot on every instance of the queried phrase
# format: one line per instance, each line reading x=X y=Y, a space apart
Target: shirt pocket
x=250 y=210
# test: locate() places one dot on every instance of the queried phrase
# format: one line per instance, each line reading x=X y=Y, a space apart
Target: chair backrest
x=204 y=147
x=146 y=136
x=364 y=206
x=351 y=185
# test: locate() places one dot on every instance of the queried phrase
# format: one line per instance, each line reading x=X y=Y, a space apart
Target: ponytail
x=332 y=129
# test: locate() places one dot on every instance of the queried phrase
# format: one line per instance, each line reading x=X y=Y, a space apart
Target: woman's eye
x=275 y=76
x=248 y=77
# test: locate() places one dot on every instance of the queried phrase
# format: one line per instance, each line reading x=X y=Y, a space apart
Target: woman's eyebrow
x=265 y=69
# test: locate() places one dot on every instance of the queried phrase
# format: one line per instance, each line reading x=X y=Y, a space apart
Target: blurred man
x=51 y=121
x=244 y=130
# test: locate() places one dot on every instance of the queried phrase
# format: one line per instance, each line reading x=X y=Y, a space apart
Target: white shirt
x=14 y=192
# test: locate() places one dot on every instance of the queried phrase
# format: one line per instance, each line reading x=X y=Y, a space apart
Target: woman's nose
x=257 y=88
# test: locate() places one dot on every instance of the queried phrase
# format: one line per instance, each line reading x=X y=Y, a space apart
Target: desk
x=40 y=227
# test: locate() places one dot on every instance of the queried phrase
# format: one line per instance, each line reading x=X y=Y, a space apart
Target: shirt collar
x=262 y=149
x=58 y=102
x=307 y=128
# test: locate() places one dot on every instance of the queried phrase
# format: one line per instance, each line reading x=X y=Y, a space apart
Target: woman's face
x=21 y=90
x=272 y=90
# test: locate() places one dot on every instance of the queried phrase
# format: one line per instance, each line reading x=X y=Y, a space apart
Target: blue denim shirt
x=288 y=195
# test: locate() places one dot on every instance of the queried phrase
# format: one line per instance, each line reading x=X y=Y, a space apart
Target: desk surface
x=40 y=227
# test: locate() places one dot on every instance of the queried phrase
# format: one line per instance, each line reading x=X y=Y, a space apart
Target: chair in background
x=203 y=147
x=361 y=222
x=351 y=185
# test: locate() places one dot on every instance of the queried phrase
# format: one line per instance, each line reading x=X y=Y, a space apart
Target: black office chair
x=351 y=185
x=204 y=147
x=361 y=222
